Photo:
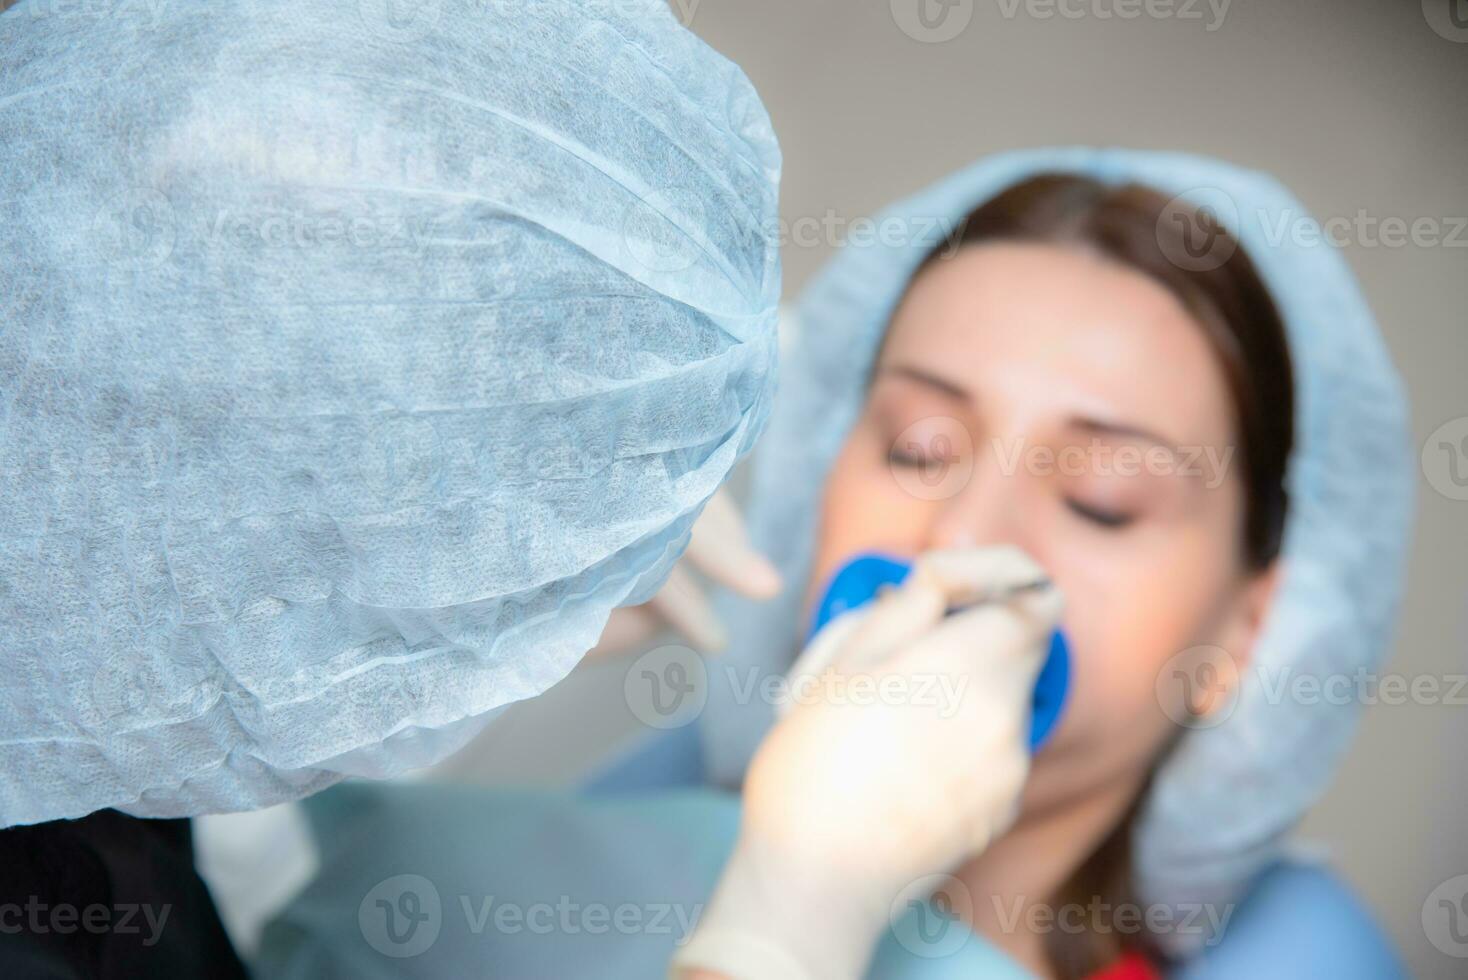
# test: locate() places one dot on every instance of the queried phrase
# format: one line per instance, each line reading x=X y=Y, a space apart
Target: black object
x=108 y=896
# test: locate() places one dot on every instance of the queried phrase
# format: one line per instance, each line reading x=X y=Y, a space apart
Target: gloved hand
x=851 y=800
x=718 y=548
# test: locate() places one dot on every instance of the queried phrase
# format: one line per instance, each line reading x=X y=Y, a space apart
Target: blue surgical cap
x=1223 y=801
x=356 y=360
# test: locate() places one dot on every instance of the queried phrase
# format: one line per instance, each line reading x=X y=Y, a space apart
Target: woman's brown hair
x=1146 y=231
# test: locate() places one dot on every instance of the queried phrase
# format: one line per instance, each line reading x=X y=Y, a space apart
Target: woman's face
x=1044 y=397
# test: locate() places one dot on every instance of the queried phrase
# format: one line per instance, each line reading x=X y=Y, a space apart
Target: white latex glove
x=847 y=805
x=718 y=548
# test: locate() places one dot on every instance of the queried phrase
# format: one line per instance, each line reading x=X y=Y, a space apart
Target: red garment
x=1131 y=966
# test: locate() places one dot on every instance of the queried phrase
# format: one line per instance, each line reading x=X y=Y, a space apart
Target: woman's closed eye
x=930 y=442
x=1104 y=517
x=914 y=453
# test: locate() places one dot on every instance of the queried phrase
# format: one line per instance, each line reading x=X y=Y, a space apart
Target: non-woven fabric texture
x=1224 y=801
x=356 y=360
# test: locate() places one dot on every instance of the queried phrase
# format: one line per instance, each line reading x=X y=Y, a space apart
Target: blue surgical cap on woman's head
x=1223 y=801
x=356 y=359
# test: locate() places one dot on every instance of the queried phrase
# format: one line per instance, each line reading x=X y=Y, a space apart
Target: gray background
x=1354 y=105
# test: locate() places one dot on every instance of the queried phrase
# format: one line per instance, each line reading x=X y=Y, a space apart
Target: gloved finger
x=893 y=622
x=720 y=548
x=1001 y=645
x=821 y=652
x=968 y=574
x=939 y=581
x=897 y=620
x=862 y=638
x=683 y=605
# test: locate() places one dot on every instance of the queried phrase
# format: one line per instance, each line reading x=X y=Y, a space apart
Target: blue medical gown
x=427 y=881
x=432 y=881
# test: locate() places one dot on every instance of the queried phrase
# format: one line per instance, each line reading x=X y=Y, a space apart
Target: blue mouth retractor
x=857 y=583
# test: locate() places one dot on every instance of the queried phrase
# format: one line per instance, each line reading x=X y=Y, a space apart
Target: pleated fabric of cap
x=356 y=360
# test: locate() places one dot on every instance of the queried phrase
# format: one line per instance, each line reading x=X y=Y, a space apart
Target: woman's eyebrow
x=1106 y=427
x=924 y=377
x=1098 y=426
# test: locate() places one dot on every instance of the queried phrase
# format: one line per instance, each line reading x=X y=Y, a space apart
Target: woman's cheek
x=1126 y=623
x=865 y=509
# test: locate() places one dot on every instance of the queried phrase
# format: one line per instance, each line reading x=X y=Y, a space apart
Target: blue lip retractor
x=858 y=581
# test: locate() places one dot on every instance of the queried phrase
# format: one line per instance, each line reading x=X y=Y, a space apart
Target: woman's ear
x=1212 y=674
x=1250 y=606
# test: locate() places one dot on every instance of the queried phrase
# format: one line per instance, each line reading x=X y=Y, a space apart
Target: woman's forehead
x=1045 y=329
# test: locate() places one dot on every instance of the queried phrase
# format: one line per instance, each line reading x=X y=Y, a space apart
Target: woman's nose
x=986 y=510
